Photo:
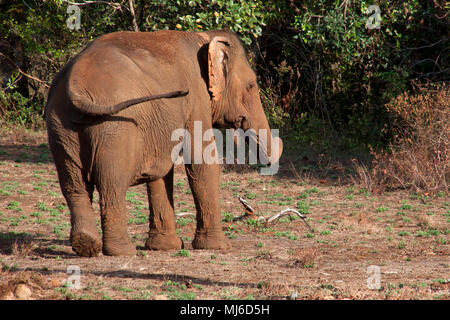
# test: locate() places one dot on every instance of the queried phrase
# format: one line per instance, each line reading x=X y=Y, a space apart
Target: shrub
x=419 y=155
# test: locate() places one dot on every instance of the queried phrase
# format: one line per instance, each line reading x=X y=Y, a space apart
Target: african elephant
x=110 y=113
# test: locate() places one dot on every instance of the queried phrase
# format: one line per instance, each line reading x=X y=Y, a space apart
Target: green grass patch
x=182 y=253
x=285 y=234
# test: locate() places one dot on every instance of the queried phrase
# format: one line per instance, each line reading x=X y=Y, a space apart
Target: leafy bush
x=330 y=77
x=244 y=17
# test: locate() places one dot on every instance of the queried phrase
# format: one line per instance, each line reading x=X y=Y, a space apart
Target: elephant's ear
x=217 y=70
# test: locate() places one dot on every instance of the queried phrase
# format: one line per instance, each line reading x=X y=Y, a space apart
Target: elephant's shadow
x=33 y=245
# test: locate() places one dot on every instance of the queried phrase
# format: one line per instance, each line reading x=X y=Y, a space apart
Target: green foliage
x=324 y=77
x=244 y=17
x=182 y=253
x=331 y=76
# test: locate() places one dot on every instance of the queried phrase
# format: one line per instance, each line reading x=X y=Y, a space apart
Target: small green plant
x=11 y=268
x=406 y=206
x=183 y=221
x=180 y=184
x=182 y=253
x=434 y=232
x=230 y=234
x=14 y=206
x=42 y=206
x=312 y=190
x=303 y=195
x=251 y=195
x=173 y=291
x=286 y=234
x=303 y=207
x=227 y=216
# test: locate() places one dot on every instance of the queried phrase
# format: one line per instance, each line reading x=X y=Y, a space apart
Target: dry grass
x=24 y=248
x=305 y=257
x=419 y=156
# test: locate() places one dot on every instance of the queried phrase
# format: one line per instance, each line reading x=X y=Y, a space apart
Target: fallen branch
x=248 y=209
x=287 y=212
x=250 y=212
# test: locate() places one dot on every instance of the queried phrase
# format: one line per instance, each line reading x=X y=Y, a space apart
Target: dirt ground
x=363 y=246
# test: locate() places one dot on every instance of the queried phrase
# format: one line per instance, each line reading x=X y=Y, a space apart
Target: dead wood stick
x=287 y=212
x=249 y=211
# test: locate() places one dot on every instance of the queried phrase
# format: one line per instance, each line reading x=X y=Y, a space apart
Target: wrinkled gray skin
x=110 y=114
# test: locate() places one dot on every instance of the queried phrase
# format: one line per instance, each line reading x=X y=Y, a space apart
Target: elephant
x=110 y=112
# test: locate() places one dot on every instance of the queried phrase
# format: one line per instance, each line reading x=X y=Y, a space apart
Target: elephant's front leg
x=162 y=234
x=204 y=183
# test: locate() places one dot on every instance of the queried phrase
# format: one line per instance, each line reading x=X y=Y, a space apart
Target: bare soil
x=403 y=234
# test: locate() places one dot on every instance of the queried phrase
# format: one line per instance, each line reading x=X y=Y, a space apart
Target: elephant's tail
x=85 y=105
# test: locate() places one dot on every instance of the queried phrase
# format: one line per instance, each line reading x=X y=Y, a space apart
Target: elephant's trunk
x=270 y=145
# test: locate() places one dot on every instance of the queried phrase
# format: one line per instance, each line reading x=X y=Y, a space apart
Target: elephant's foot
x=121 y=247
x=164 y=241
x=85 y=243
x=213 y=240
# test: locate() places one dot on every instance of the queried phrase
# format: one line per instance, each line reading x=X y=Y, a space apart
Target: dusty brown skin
x=109 y=128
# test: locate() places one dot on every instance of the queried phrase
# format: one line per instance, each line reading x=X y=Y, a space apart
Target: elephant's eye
x=250 y=86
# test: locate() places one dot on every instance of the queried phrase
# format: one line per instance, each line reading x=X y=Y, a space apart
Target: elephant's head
x=234 y=91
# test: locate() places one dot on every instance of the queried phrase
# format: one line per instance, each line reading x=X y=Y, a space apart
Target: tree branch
x=22 y=72
x=133 y=15
x=115 y=5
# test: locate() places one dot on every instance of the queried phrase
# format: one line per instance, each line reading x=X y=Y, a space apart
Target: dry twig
x=249 y=212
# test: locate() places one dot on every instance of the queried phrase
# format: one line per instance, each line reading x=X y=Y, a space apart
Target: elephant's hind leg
x=116 y=241
x=84 y=236
x=162 y=234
